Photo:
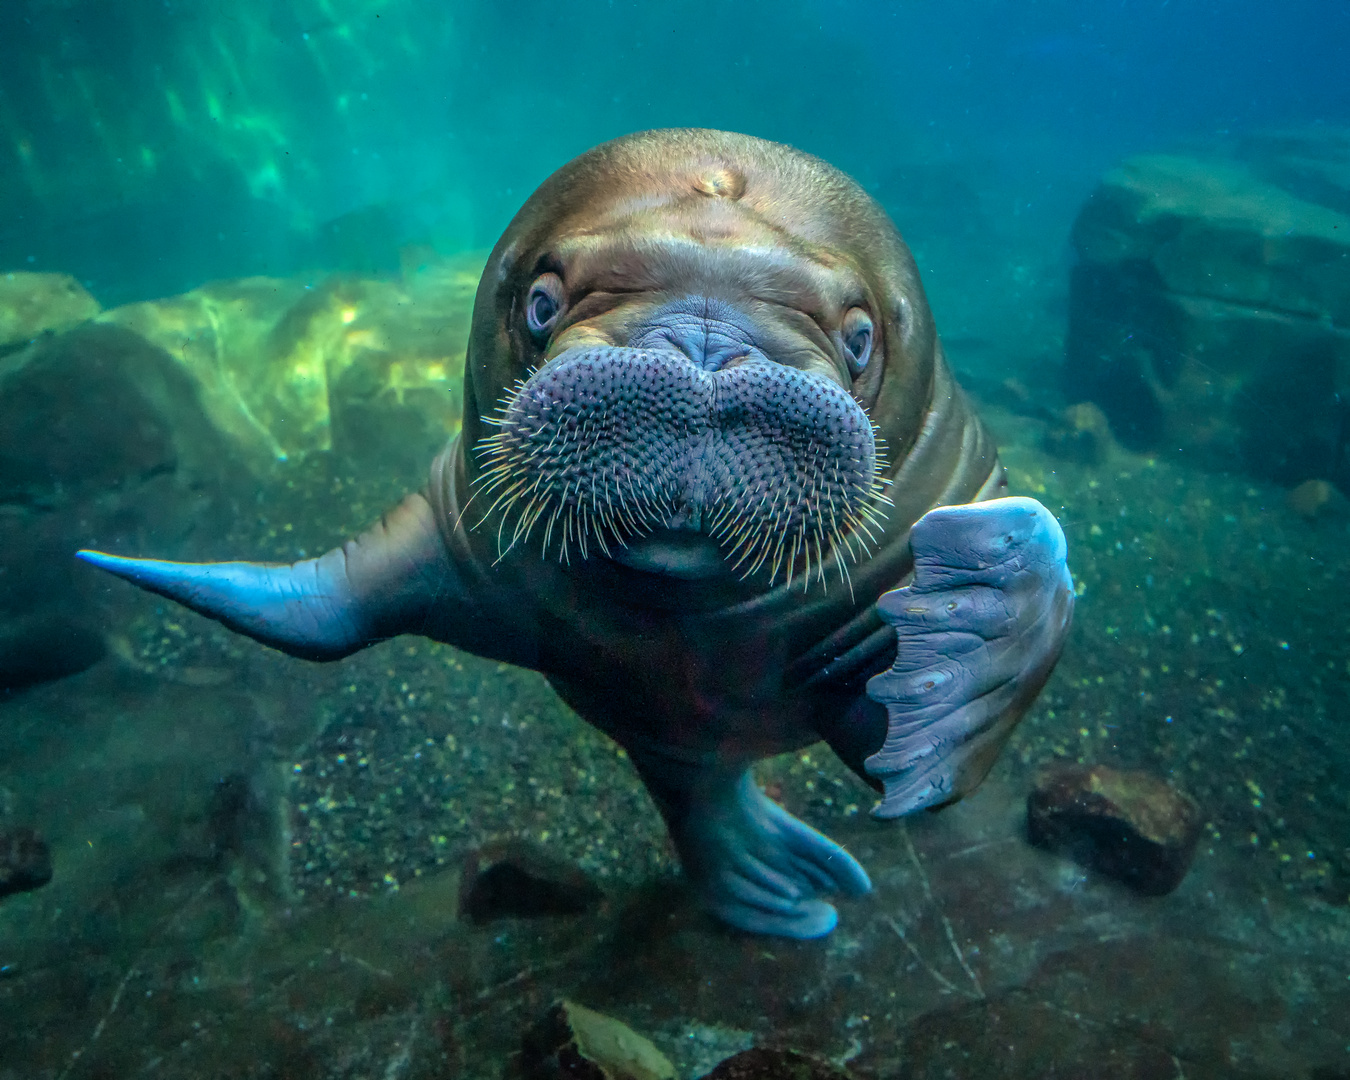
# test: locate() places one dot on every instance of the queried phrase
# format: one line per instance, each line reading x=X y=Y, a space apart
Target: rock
x=1210 y=307
x=25 y=861
x=103 y=442
x=33 y=304
x=94 y=409
x=764 y=1064
x=367 y=368
x=1081 y=433
x=577 y=1043
x=1314 y=499
x=1128 y=825
x=514 y=880
x=44 y=647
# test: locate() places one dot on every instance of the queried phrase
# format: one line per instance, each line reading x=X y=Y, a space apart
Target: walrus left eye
x=857 y=335
x=544 y=304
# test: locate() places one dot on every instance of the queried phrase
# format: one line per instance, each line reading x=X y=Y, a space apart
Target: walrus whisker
x=548 y=531
x=505 y=499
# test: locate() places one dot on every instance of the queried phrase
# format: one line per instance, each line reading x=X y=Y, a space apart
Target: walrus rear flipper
x=381 y=584
x=978 y=630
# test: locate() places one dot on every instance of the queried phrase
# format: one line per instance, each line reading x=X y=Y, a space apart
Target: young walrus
x=715 y=482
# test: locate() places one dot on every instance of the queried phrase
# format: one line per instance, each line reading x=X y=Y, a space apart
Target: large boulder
x=367 y=368
x=103 y=442
x=1210 y=305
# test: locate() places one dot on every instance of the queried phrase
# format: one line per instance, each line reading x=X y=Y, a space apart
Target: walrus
x=716 y=482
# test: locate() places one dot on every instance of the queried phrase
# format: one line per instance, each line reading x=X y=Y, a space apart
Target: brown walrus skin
x=682 y=347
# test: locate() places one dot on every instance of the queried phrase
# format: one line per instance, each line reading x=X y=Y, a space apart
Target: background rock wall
x=1210 y=306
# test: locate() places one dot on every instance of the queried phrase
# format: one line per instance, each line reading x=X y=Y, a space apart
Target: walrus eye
x=543 y=304
x=857 y=335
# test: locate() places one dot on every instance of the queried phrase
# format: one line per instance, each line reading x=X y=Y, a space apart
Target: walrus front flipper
x=978 y=630
x=753 y=864
x=378 y=585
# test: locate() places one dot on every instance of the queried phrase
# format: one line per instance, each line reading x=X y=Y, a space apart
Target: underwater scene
x=648 y=542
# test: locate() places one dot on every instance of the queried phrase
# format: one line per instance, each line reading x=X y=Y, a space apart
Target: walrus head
x=689 y=334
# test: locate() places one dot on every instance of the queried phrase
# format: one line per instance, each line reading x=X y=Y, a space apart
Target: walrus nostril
x=600 y=446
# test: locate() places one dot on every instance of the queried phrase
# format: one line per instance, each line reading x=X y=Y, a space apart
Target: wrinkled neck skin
x=714 y=291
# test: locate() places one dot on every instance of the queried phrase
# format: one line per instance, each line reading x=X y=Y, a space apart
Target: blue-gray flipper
x=753 y=864
x=979 y=630
x=383 y=583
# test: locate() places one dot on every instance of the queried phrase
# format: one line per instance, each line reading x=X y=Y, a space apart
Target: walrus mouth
x=604 y=447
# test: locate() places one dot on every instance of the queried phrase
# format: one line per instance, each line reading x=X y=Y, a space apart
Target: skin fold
x=708 y=427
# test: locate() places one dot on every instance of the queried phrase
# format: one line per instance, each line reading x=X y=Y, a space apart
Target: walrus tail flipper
x=381 y=584
x=979 y=631
x=753 y=864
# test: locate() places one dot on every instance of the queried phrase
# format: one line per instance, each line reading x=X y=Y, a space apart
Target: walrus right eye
x=543 y=305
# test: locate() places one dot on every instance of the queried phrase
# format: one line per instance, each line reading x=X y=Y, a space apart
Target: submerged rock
x=33 y=304
x=44 y=647
x=368 y=368
x=517 y=880
x=1210 y=306
x=1314 y=499
x=764 y=1064
x=25 y=861
x=577 y=1043
x=102 y=442
x=1081 y=433
x=1128 y=825
x=95 y=409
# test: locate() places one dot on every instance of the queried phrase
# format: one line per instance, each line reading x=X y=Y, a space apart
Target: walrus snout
x=607 y=445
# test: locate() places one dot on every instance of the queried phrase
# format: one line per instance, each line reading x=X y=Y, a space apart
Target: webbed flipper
x=753 y=864
x=381 y=584
x=978 y=633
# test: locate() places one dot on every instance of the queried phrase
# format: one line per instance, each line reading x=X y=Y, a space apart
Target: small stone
x=25 y=861
x=1128 y=825
x=761 y=1063
x=515 y=880
x=1316 y=498
x=577 y=1043
x=1082 y=434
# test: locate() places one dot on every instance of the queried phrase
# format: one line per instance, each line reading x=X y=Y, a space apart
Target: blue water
x=258 y=862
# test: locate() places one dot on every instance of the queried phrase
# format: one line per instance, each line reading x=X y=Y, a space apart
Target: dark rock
x=25 y=861
x=514 y=880
x=1209 y=307
x=45 y=647
x=577 y=1043
x=223 y=827
x=761 y=1063
x=103 y=443
x=1128 y=825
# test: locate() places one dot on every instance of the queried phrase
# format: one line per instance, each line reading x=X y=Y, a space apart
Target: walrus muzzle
x=752 y=466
